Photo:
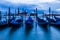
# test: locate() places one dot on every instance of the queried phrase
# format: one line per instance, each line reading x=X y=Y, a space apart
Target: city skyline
x=30 y=5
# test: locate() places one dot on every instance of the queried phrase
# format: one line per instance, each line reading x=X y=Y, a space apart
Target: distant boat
x=42 y=22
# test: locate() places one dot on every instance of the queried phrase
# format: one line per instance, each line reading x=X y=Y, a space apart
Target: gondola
x=9 y=24
x=42 y=22
x=16 y=24
x=57 y=23
x=50 y=20
x=20 y=21
x=28 y=25
x=3 y=25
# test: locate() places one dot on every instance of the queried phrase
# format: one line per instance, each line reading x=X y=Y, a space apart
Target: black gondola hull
x=3 y=26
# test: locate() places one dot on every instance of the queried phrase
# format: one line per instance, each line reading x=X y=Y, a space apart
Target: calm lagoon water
x=34 y=34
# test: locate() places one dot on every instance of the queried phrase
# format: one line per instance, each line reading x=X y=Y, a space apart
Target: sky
x=30 y=5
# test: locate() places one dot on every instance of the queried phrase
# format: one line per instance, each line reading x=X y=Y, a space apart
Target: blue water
x=35 y=34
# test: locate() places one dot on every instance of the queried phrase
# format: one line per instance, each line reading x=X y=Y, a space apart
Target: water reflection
x=40 y=34
x=30 y=32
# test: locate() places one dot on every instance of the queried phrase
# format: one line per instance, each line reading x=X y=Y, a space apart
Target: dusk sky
x=30 y=5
